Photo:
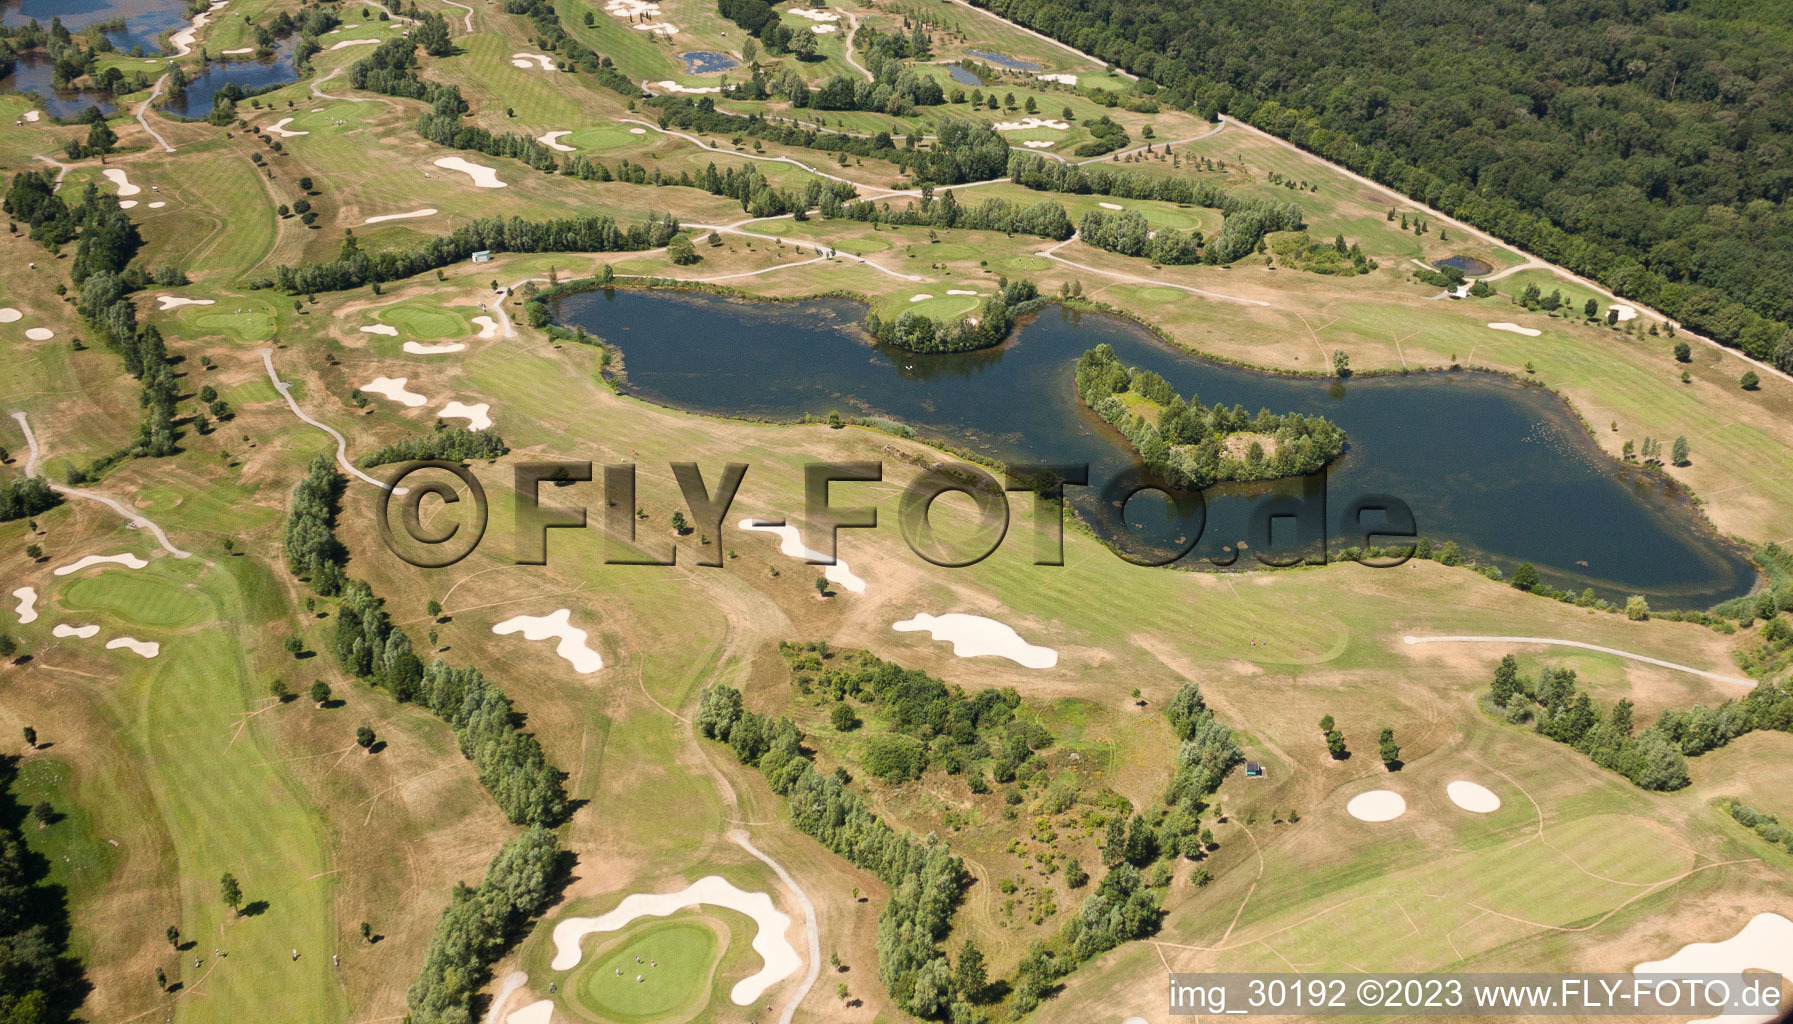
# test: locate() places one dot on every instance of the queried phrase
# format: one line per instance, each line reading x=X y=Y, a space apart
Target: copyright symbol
x=433 y=545
x=1369 y=992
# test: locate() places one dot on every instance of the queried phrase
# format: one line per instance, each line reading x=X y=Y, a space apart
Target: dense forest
x=40 y=983
x=1643 y=143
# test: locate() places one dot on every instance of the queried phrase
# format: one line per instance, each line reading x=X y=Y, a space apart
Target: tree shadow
x=255 y=908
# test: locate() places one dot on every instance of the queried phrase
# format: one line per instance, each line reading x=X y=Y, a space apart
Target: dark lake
x=1470 y=266
x=963 y=75
x=703 y=62
x=33 y=73
x=1504 y=470
x=145 y=20
x=248 y=74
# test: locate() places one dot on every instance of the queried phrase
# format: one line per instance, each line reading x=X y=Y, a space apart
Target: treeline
x=1188 y=444
x=1128 y=233
x=995 y=316
x=25 y=497
x=450 y=443
x=593 y=233
x=1045 y=218
x=1654 y=759
x=40 y=982
x=312 y=550
x=1762 y=823
x=895 y=88
x=1585 y=164
x=552 y=36
x=745 y=185
x=926 y=881
x=391 y=70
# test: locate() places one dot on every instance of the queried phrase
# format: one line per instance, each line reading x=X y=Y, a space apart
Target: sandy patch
x=572 y=647
x=238 y=51
x=142 y=648
x=1061 y=79
x=1376 y=805
x=552 y=141
x=27 y=609
x=354 y=42
x=1472 y=796
x=638 y=131
x=386 y=329
x=1765 y=943
x=823 y=30
x=959 y=291
x=31 y=116
x=791 y=544
x=428 y=211
x=157 y=205
x=920 y=297
x=39 y=333
x=483 y=177
x=813 y=15
x=1029 y=123
x=63 y=629
x=1529 y=332
x=279 y=128
x=632 y=8
x=1039 y=144
x=125 y=559
x=174 y=302
x=418 y=348
x=127 y=204
x=781 y=959
x=1625 y=312
x=488 y=327
x=676 y=87
x=974 y=636
x=541 y=60
x=394 y=388
x=477 y=416
x=1111 y=206
x=539 y=1012
x=9 y=315
x=122 y=180
x=664 y=28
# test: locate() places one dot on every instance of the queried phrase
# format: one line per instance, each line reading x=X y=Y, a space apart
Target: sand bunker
x=781 y=959
x=1473 y=796
x=664 y=28
x=539 y=1012
x=1765 y=943
x=182 y=41
x=552 y=141
x=488 y=327
x=823 y=30
x=483 y=177
x=542 y=60
x=63 y=629
x=572 y=647
x=813 y=15
x=157 y=205
x=39 y=333
x=959 y=291
x=127 y=204
x=1516 y=329
x=428 y=211
x=144 y=648
x=676 y=87
x=9 y=315
x=920 y=297
x=125 y=559
x=387 y=329
x=1111 y=206
x=174 y=301
x=1625 y=312
x=279 y=128
x=394 y=389
x=1376 y=805
x=476 y=415
x=632 y=8
x=354 y=42
x=122 y=180
x=791 y=544
x=27 y=609
x=1029 y=123
x=1063 y=79
x=418 y=348
x=974 y=636
x=1038 y=144
x=31 y=116
x=238 y=51
x=638 y=131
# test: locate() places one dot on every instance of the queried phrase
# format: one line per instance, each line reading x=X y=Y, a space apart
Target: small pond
x=1470 y=266
x=963 y=75
x=706 y=62
x=250 y=75
x=34 y=73
x=1004 y=60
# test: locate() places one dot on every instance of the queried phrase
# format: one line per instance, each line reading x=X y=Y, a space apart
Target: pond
x=35 y=73
x=1004 y=60
x=1504 y=470
x=145 y=20
x=248 y=75
x=705 y=62
x=1470 y=266
x=963 y=75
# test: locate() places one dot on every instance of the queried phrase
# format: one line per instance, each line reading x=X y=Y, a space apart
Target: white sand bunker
x=142 y=648
x=123 y=181
x=524 y=60
x=125 y=559
x=418 y=348
x=238 y=51
x=974 y=636
x=676 y=87
x=539 y=1012
x=27 y=609
x=1765 y=943
x=959 y=291
x=62 y=629
x=1029 y=123
x=1625 y=312
x=174 y=301
x=791 y=544
x=157 y=205
x=552 y=141
x=632 y=8
x=279 y=128
x=127 y=204
x=1038 y=144
x=572 y=647
x=920 y=297
x=428 y=211
x=31 y=116
x=488 y=327
x=354 y=42
x=476 y=415
x=1062 y=79
x=1529 y=332
x=39 y=333
x=769 y=941
x=483 y=177
x=9 y=315
x=823 y=30
x=813 y=15
x=394 y=389
x=1376 y=805
x=387 y=329
x=1111 y=206
x=1473 y=796
x=638 y=131
x=664 y=28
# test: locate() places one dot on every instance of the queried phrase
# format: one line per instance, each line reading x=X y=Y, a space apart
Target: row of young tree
x=918 y=332
x=895 y=89
x=1128 y=234
x=312 y=550
x=41 y=982
x=1762 y=823
x=1045 y=218
x=446 y=442
x=1187 y=445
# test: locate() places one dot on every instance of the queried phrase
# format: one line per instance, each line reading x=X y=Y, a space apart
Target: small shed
x=483 y=256
x=1254 y=770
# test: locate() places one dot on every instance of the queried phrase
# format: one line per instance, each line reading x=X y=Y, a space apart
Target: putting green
x=1160 y=294
x=949 y=307
x=256 y=326
x=612 y=136
x=424 y=321
x=140 y=600
x=677 y=960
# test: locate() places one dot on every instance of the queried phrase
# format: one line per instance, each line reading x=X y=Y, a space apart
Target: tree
x=1636 y=608
x=1749 y=381
x=679 y=525
x=970 y=975
x=1335 y=745
x=1391 y=754
x=1075 y=876
x=367 y=932
x=680 y=250
x=277 y=690
x=364 y=738
x=433 y=609
x=1683 y=354
x=1525 y=577
x=1326 y=723
x=8 y=646
x=43 y=812
x=822 y=586
x=31 y=737
x=432 y=35
x=1590 y=309
x=161 y=979
x=34 y=552
x=231 y=892
x=803 y=45
x=174 y=936
x=843 y=718
x=293 y=644
x=320 y=693
x=750 y=49
x=1506 y=681
x=1341 y=364
x=1680 y=451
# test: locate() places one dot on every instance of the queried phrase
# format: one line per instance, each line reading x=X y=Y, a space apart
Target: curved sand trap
x=791 y=544
x=239 y=51
x=475 y=415
x=488 y=327
x=781 y=959
x=127 y=204
x=9 y=315
x=157 y=205
x=387 y=329
x=483 y=177
x=552 y=141
x=572 y=647
x=125 y=559
x=1529 y=332
x=1376 y=805
x=524 y=60
x=921 y=297
x=394 y=389
x=39 y=333
x=27 y=609
x=638 y=131
x=144 y=648
x=174 y=301
x=122 y=180
x=63 y=629
x=1625 y=312
x=974 y=636
x=1111 y=206
x=428 y=211
x=31 y=116
x=813 y=15
x=676 y=87
x=1038 y=144
x=1765 y=943
x=539 y=1012
x=418 y=348
x=279 y=128
x=1473 y=796
x=1030 y=123
x=355 y=42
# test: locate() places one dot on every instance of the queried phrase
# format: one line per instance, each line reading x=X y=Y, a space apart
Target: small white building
x=483 y=256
